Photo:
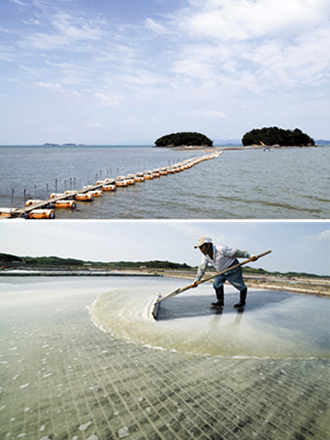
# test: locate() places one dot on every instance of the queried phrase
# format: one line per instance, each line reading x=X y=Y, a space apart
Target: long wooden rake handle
x=183 y=289
x=226 y=270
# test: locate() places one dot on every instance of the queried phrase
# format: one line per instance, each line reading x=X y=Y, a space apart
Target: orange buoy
x=84 y=197
x=32 y=202
x=109 y=187
x=42 y=213
x=109 y=181
x=130 y=179
x=97 y=193
x=121 y=181
x=148 y=175
x=139 y=177
x=65 y=204
x=162 y=172
x=5 y=212
x=55 y=195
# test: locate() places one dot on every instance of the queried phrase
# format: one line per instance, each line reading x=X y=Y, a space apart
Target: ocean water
x=243 y=184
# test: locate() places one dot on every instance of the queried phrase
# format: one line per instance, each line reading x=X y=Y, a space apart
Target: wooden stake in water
x=12 y=199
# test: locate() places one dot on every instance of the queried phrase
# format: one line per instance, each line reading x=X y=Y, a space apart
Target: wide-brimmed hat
x=203 y=240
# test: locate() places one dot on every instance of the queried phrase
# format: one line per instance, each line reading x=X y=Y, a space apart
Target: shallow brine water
x=273 y=324
x=61 y=377
x=284 y=183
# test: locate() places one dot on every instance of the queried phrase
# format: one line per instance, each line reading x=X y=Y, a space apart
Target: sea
x=286 y=183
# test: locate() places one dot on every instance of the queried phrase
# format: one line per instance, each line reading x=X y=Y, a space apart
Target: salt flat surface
x=61 y=377
x=272 y=325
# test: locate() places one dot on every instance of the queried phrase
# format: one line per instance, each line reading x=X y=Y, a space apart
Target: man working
x=221 y=258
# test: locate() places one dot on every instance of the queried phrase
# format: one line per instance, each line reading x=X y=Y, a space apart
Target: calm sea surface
x=281 y=184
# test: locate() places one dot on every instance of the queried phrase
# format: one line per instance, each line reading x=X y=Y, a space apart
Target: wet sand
x=64 y=378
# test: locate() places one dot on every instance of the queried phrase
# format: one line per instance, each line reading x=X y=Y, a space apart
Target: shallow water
x=272 y=325
x=283 y=183
x=63 y=378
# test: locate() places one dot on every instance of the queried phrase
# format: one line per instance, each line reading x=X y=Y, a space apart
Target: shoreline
x=239 y=148
x=309 y=286
x=318 y=287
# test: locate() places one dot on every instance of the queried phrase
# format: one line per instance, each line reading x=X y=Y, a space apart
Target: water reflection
x=195 y=305
x=270 y=326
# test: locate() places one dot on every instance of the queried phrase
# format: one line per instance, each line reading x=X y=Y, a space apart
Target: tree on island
x=184 y=138
x=277 y=136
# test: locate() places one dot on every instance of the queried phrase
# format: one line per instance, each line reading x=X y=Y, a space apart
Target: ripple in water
x=273 y=325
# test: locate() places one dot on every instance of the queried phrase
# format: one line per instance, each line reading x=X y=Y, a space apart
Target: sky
x=299 y=246
x=130 y=71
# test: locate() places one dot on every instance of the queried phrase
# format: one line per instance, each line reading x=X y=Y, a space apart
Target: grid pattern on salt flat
x=62 y=378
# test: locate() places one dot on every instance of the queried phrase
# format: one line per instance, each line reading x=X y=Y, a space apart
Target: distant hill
x=8 y=261
x=227 y=142
x=322 y=142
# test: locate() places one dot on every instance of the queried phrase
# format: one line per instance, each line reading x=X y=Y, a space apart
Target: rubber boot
x=220 y=297
x=242 y=298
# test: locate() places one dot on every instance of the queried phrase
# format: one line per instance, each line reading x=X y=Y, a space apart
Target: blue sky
x=296 y=246
x=130 y=71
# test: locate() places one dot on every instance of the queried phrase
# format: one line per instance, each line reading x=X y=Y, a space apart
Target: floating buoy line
x=45 y=209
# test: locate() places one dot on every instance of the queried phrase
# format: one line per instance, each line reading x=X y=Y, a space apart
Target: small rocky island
x=274 y=136
x=184 y=139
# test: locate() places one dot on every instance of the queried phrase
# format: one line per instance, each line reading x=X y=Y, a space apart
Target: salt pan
x=84 y=426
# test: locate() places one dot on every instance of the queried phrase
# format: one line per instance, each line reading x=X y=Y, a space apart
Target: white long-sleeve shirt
x=223 y=257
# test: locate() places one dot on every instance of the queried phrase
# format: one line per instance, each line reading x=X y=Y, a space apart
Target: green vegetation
x=252 y=271
x=8 y=261
x=277 y=136
x=184 y=138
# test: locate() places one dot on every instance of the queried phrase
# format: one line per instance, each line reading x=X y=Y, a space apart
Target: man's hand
x=254 y=258
x=194 y=284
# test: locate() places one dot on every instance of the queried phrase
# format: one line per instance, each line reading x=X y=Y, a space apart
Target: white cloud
x=52 y=86
x=212 y=56
x=258 y=46
x=58 y=87
x=155 y=27
x=108 y=99
x=244 y=19
x=325 y=235
x=65 y=30
x=210 y=114
x=18 y=2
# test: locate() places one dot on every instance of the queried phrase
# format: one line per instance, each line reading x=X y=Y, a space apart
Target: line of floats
x=45 y=209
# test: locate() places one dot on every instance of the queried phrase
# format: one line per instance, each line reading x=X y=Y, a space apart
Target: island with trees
x=274 y=136
x=184 y=139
